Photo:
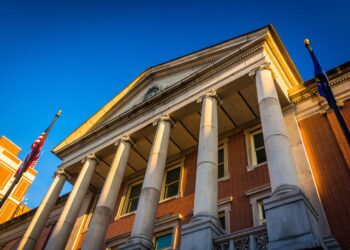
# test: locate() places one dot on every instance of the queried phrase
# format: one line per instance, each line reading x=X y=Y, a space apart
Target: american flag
x=34 y=155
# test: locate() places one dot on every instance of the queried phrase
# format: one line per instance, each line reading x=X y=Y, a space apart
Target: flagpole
x=342 y=123
x=24 y=168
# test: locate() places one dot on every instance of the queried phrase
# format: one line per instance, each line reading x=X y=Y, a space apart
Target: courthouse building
x=223 y=148
x=9 y=164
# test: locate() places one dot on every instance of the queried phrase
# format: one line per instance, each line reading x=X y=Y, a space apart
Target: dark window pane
x=260 y=155
x=258 y=140
x=172 y=175
x=135 y=191
x=222 y=221
x=163 y=242
x=221 y=156
x=221 y=170
x=132 y=206
x=171 y=190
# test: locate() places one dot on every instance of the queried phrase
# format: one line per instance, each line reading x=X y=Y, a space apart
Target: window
x=259 y=147
x=261 y=211
x=255 y=148
x=223 y=173
x=151 y=92
x=171 y=183
x=221 y=163
x=164 y=241
x=256 y=199
x=222 y=219
x=133 y=198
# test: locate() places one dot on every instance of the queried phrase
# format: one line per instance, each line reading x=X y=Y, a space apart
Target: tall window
x=259 y=147
x=221 y=163
x=262 y=217
x=163 y=242
x=172 y=183
x=133 y=198
x=222 y=219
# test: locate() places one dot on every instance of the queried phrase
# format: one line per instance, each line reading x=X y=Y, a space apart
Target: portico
x=233 y=87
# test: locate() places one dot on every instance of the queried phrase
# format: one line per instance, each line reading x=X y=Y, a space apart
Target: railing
x=248 y=239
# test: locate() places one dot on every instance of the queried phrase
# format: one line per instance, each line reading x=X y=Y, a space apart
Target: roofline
x=331 y=73
x=97 y=115
x=11 y=142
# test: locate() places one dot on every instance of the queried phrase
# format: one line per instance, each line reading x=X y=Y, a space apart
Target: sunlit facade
x=9 y=163
x=224 y=148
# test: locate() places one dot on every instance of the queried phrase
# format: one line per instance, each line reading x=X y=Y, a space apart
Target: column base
x=137 y=242
x=292 y=222
x=199 y=233
x=331 y=243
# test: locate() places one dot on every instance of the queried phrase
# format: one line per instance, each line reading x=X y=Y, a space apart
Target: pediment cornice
x=166 y=96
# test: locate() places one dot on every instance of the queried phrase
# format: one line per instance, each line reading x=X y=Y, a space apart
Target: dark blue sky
x=77 y=55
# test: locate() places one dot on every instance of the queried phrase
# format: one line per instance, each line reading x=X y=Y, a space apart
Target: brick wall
x=323 y=142
x=239 y=182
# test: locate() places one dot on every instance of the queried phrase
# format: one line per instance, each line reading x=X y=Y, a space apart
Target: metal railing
x=248 y=239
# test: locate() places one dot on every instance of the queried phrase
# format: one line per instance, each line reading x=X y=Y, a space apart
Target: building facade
x=224 y=148
x=9 y=164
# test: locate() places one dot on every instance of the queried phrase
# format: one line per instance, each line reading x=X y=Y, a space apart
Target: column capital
x=164 y=118
x=265 y=65
x=63 y=172
x=91 y=156
x=125 y=138
x=210 y=94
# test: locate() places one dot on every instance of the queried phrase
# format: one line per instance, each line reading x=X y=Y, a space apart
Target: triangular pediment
x=161 y=77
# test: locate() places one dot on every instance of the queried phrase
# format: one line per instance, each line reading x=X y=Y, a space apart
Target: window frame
x=224 y=207
x=250 y=147
x=224 y=145
x=172 y=166
x=125 y=200
x=163 y=233
x=256 y=195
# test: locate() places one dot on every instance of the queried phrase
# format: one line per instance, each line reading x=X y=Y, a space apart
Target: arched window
x=151 y=92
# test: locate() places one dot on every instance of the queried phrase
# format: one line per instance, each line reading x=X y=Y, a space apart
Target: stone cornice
x=303 y=93
x=171 y=92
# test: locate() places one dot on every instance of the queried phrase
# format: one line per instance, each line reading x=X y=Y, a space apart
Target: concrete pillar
x=108 y=197
x=39 y=220
x=205 y=226
x=280 y=160
x=206 y=192
x=142 y=231
x=65 y=223
x=292 y=222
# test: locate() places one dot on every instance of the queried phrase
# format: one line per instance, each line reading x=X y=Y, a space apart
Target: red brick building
x=201 y=150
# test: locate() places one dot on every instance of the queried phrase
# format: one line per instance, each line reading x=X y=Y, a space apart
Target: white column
x=279 y=155
x=65 y=223
x=39 y=220
x=206 y=193
x=142 y=230
x=108 y=197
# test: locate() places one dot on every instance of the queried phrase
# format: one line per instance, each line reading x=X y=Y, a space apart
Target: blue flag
x=321 y=77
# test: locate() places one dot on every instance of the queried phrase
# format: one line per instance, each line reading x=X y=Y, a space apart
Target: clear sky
x=77 y=55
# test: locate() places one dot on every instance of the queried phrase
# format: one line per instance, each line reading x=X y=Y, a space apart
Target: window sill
x=126 y=215
x=251 y=168
x=170 y=198
x=225 y=178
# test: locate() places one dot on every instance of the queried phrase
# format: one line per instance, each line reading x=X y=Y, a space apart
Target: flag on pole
x=321 y=77
x=325 y=91
x=32 y=158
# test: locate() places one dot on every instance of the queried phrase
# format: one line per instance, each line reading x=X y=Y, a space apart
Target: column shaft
x=108 y=198
x=65 y=223
x=206 y=194
x=142 y=230
x=39 y=220
x=280 y=161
